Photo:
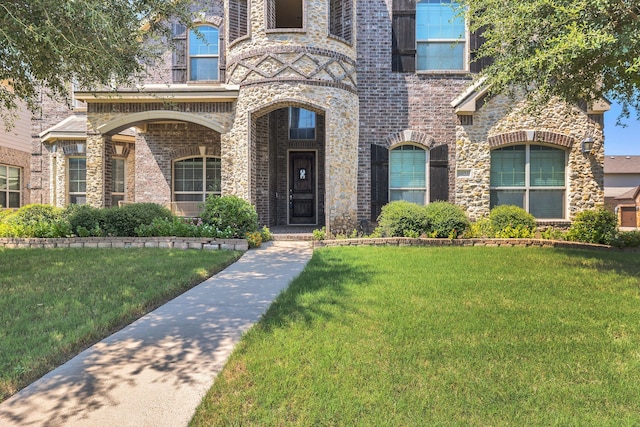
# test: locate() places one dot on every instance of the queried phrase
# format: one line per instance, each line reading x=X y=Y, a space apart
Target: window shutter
x=238 y=19
x=379 y=179
x=403 y=36
x=340 y=19
x=179 y=68
x=439 y=173
x=476 y=39
x=270 y=14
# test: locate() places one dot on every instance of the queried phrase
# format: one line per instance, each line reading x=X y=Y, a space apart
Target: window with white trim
x=302 y=123
x=77 y=180
x=532 y=177
x=118 y=181
x=408 y=174
x=10 y=186
x=440 y=36
x=204 y=53
x=196 y=178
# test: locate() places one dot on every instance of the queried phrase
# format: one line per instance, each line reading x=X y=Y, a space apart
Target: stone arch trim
x=127 y=120
x=407 y=136
x=193 y=151
x=214 y=20
x=285 y=103
x=546 y=137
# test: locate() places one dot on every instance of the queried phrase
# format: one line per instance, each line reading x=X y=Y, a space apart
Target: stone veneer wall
x=392 y=103
x=21 y=159
x=498 y=122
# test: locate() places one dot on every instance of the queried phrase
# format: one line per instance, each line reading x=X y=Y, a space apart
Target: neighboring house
x=15 y=160
x=622 y=188
x=319 y=112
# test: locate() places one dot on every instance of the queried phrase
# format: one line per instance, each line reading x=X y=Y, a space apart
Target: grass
x=442 y=336
x=56 y=302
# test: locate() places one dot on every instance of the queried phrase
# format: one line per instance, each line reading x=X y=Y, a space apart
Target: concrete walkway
x=156 y=371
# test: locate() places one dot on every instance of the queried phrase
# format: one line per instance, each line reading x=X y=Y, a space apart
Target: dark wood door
x=302 y=188
x=628 y=216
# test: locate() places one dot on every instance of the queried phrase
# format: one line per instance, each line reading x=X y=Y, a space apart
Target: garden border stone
x=198 y=243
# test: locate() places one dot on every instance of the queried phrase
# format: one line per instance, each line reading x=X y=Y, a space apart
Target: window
x=77 y=180
x=284 y=14
x=532 y=177
x=440 y=36
x=118 y=181
x=10 y=184
x=302 y=123
x=196 y=178
x=340 y=15
x=203 y=53
x=408 y=174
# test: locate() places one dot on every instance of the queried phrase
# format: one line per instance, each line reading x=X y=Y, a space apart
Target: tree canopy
x=47 y=44
x=578 y=50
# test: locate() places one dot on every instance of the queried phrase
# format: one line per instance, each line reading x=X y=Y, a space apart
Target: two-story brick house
x=319 y=112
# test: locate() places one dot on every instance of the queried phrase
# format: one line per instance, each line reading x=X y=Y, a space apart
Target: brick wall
x=392 y=102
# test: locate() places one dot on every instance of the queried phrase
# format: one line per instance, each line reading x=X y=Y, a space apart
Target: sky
x=620 y=140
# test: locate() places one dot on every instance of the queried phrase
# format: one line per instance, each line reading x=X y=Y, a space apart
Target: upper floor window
x=203 y=53
x=10 y=194
x=284 y=14
x=302 y=123
x=532 y=177
x=440 y=36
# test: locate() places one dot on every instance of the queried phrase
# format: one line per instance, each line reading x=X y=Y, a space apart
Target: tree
x=47 y=44
x=578 y=50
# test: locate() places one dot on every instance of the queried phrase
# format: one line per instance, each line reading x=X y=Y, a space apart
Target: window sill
x=285 y=30
x=443 y=72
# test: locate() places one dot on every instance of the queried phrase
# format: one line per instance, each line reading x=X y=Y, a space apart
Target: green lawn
x=374 y=336
x=56 y=302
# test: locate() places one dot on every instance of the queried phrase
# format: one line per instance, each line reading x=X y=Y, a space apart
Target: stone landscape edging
x=126 y=242
x=407 y=241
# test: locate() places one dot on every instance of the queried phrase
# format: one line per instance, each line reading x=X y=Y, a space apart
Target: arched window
x=195 y=178
x=203 y=53
x=408 y=174
x=532 y=177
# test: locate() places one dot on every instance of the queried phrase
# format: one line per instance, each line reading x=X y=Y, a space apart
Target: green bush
x=320 y=234
x=479 y=229
x=34 y=214
x=266 y=234
x=446 y=219
x=594 y=226
x=627 y=239
x=124 y=220
x=403 y=219
x=512 y=218
x=86 y=220
x=254 y=239
x=232 y=212
x=35 y=220
x=180 y=227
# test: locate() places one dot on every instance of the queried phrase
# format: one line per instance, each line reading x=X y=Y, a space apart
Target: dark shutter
x=403 y=36
x=439 y=173
x=476 y=39
x=379 y=179
x=179 y=68
x=340 y=19
x=238 y=19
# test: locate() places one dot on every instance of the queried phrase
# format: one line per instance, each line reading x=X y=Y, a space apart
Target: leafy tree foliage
x=46 y=44
x=578 y=50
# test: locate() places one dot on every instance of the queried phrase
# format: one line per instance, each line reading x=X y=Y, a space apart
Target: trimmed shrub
x=86 y=220
x=231 y=212
x=34 y=214
x=35 y=220
x=446 y=219
x=479 y=229
x=266 y=234
x=627 y=239
x=594 y=226
x=513 y=219
x=403 y=219
x=124 y=220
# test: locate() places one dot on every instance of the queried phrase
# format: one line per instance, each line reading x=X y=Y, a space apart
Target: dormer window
x=285 y=14
x=203 y=53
